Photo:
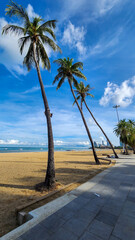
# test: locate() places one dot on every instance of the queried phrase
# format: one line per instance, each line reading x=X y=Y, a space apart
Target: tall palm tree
x=67 y=70
x=34 y=35
x=122 y=130
x=82 y=93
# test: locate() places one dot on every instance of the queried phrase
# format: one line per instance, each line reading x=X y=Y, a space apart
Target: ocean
x=7 y=149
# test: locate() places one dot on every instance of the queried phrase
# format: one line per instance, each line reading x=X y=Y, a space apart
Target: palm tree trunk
x=50 y=173
x=85 y=124
x=116 y=156
x=126 y=149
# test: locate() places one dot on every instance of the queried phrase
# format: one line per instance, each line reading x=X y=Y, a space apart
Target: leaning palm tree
x=122 y=130
x=34 y=35
x=67 y=70
x=82 y=93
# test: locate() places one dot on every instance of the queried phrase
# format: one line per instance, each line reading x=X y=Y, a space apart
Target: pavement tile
x=129 y=209
x=52 y=223
x=89 y=236
x=113 y=207
x=63 y=234
x=125 y=228
x=76 y=226
x=65 y=213
x=107 y=218
x=36 y=233
x=131 y=199
x=85 y=215
x=100 y=229
x=114 y=238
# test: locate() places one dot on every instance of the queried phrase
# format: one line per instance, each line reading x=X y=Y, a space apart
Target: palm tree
x=67 y=70
x=82 y=92
x=122 y=130
x=131 y=135
x=35 y=35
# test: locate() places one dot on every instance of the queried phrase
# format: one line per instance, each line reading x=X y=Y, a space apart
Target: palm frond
x=77 y=65
x=60 y=83
x=59 y=61
x=48 y=30
x=22 y=42
x=59 y=75
x=50 y=23
x=28 y=60
x=91 y=95
x=14 y=9
x=79 y=74
x=50 y=43
x=41 y=54
x=13 y=29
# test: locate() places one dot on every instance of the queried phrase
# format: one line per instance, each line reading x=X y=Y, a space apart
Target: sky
x=99 y=33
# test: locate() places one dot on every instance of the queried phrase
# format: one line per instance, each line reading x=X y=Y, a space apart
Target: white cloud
x=106 y=43
x=10 y=55
x=89 y=10
x=9 y=142
x=84 y=143
x=31 y=12
x=58 y=142
x=74 y=37
x=122 y=95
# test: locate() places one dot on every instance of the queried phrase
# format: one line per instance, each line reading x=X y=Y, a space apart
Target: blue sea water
x=7 y=149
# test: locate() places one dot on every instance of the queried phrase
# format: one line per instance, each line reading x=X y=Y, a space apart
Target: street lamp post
x=116 y=107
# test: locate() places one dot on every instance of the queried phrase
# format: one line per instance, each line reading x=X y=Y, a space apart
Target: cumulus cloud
x=122 y=95
x=58 y=142
x=74 y=37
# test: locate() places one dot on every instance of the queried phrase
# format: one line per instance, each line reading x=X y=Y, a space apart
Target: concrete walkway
x=105 y=211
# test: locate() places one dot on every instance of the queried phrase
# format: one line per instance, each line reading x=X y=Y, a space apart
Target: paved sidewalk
x=103 y=212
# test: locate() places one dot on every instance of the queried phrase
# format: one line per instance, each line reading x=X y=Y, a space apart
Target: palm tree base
x=41 y=187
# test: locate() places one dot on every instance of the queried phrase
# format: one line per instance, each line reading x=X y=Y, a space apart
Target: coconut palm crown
x=82 y=92
x=68 y=70
x=35 y=31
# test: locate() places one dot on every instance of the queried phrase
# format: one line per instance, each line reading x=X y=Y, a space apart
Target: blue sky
x=100 y=33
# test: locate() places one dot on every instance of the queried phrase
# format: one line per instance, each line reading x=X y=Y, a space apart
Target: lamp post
x=116 y=107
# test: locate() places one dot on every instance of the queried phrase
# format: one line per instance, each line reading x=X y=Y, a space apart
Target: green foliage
x=32 y=33
x=82 y=91
x=126 y=131
x=68 y=70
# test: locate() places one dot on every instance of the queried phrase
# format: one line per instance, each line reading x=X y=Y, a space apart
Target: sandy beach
x=21 y=171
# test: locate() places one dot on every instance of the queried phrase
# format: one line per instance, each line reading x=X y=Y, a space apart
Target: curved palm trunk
x=116 y=156
x=85 y=124
x=50 y=173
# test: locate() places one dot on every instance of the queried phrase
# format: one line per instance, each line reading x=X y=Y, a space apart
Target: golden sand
x=21 y=171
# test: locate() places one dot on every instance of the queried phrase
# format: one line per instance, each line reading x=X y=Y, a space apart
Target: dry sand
x=21 y=171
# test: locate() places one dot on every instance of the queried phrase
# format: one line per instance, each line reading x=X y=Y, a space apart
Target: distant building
x=96 y=144
x=108 y=144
